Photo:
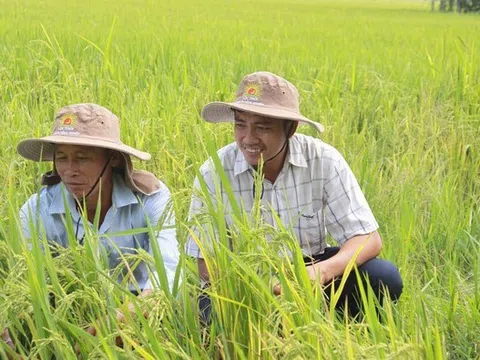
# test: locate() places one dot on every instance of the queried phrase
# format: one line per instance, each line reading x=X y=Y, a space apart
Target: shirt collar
x=241 y=165
x=57 y=206
x=295 y=157
x=295 y=153
x=121 y=196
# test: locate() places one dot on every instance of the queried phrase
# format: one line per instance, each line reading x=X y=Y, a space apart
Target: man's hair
x=288 y=126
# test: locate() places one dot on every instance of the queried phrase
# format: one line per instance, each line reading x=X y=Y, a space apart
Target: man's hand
x=7 y=339
x=121 y=319
x=316 y=272
x=319 y=273
x=277 y=289
x=93 y=331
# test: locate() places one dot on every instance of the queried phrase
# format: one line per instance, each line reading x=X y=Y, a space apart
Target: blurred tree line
x=457 y=5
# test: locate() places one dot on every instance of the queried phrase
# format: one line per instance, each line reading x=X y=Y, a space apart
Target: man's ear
x=293 y=128
x=116 y=160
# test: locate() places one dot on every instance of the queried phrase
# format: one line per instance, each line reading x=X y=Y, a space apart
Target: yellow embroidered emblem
x=253 y=91
x=251 y=94
x=67 y=125
x=69 y=120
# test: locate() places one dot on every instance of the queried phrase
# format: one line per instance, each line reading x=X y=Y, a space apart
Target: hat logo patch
x=67 y=121
x=252 y=94
x=66 y=125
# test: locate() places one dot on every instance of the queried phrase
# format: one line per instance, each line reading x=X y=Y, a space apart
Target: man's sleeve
x=196 y=231
x=202 y=213
x=347 y=213
x=27 y=211
x=162 y=217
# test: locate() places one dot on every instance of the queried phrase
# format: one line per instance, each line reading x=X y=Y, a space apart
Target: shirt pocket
x=310 y=232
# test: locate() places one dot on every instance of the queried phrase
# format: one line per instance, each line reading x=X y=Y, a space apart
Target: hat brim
x=42 y=149
x=223 y=112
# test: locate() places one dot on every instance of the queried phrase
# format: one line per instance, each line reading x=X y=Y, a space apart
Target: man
x=307 y=183
x=92 y=169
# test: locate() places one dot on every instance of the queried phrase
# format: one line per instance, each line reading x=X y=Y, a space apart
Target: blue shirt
x=129 y=211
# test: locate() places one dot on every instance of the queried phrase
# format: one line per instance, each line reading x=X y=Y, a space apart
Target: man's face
x=80 y=166
x=258 y=136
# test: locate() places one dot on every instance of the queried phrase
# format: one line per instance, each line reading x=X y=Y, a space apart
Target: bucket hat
x=88 y=125
x=261 y=93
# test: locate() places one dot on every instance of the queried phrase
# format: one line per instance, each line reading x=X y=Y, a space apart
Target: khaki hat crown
x=87 y=120
x=79 y=124
x=261 y=93
x=267 y=89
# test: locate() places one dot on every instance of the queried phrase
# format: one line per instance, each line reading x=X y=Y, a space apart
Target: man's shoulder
x=153 y=205
x=314 y=149
x=227 y=155
x=162 y=191
x=41 y=200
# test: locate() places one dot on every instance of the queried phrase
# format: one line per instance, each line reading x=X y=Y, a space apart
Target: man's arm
x=27 y=214
x=197 y=208
x=367 y=246
x=202 y=270
x=347 y=214
x=159 y=208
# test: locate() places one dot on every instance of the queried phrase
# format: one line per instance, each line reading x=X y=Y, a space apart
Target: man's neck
x=92 y=202
x=272 y=169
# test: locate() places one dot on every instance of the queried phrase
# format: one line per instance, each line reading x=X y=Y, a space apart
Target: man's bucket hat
x=261 y=93
x=89 y=125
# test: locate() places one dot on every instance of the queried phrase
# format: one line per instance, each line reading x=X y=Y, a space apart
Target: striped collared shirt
x=314 y=193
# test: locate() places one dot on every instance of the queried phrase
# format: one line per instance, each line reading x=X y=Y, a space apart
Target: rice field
x=398 y=90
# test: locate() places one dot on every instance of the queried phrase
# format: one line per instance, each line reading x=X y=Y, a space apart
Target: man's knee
x=384 y=277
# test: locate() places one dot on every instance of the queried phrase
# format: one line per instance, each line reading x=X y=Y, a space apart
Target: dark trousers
x=381 y=275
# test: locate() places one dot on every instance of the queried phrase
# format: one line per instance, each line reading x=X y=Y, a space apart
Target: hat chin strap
x=280 y=151
x=89 y=193
x=52 y=177
x=99 y=176
x=285 y=144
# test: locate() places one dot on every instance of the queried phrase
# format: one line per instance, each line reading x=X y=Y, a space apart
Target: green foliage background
x=397 y=88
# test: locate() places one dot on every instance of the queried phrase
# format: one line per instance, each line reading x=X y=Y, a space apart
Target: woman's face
x=80 y=166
